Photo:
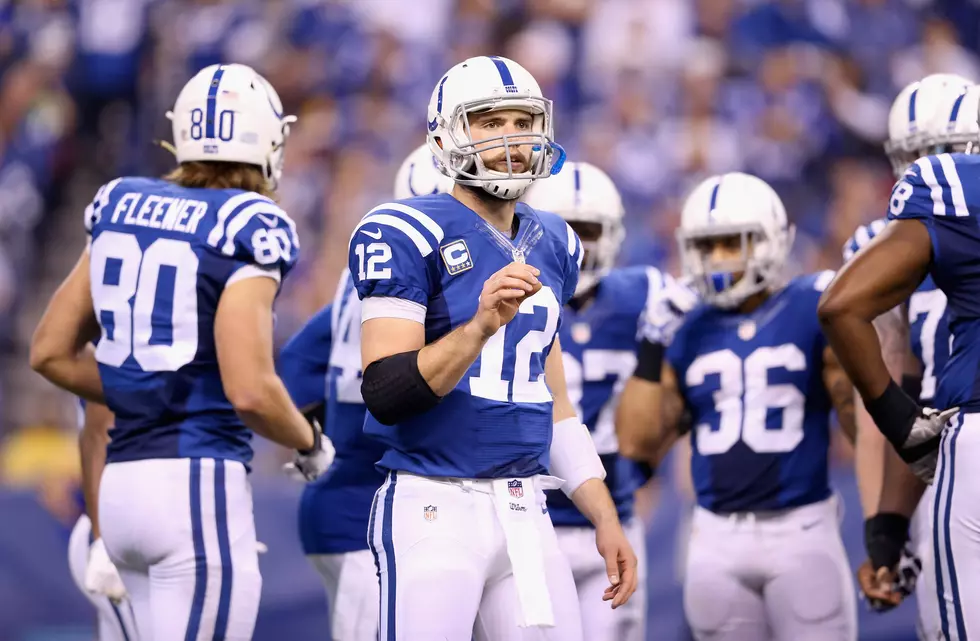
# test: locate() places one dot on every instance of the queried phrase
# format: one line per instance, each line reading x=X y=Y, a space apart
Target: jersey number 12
x=490 y=384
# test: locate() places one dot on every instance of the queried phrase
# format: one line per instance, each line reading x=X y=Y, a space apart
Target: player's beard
x=488 y=199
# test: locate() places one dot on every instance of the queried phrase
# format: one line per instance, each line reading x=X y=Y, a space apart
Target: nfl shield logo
x=516 y=488
x=430 y=512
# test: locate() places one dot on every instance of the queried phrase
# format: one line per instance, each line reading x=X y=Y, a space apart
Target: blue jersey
x=322 y=364
x=754 y=386
x=943 y=192
x=434 y=255
x=599 y=345
x=928 y=323
x=161 y=256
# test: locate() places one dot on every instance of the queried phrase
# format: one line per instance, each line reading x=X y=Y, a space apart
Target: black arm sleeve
x=394 y=390
x=649 y=361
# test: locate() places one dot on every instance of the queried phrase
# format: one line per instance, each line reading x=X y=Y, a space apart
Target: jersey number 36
x=745 y=397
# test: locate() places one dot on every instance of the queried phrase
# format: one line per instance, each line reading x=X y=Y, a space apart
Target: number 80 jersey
x=427 y=259
x=753 y=383
x=160 y=257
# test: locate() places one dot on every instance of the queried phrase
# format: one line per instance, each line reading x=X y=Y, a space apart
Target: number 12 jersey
x=427 y=259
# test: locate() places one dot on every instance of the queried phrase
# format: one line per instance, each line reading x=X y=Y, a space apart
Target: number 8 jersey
x=753 y=383
x=426 y=259
x=160 y=257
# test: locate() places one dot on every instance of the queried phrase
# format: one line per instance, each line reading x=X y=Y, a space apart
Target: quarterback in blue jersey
x=933 y=231
x=598 y=335
x=461 y=297
x=927 y=117
x=751 y=366
x=178 y=283
x=321 y=368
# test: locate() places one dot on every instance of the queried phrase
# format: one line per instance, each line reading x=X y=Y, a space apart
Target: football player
x=928 y=117
x=461 y=299
x=598 y=334
x=933 y=232
x=92 y=570
x=321 y=368
x=754 y=370
x=178 y=283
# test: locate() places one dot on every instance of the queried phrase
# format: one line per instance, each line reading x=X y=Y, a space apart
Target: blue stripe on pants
x=200 y=559
x=119 y=619
x=389 y=548
x=936 y=520
x=953 y=583
x=224 y=550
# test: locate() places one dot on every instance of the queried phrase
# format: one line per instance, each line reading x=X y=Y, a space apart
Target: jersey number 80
x=159 y=280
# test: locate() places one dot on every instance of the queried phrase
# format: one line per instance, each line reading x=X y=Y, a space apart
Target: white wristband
x=573 y=455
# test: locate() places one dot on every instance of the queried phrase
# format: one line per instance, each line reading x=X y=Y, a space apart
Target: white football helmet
x=419 y=175
x=934 y=115
x=734 y=204
x=488 y=83
x=584 y=194
x=229 y=113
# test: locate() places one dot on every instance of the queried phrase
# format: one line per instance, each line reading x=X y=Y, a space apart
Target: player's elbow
x=249 y=396
x=44 y=355
x=833 y=306
x=634 y=429
x=641 y=450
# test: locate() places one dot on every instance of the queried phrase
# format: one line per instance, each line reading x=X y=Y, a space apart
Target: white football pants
x=116 y=622
x=351 y=580
x=599 y=621
x=956 y=530
x=771 y=575
x=182 y=533
x=927 y=625
x=444 y=550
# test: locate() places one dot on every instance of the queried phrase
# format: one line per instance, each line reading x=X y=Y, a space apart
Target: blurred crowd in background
x=659 y=93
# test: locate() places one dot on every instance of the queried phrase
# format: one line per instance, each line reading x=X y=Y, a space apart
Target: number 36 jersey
x=427 y=259
x=753 y=383
x=160 y=257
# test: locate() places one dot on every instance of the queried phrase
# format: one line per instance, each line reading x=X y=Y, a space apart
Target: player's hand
x=907 y=574
x=101 y=576
x=621 y=563
x=665 y=311
x=309 y=465
x=877 y=588
x=503 y=294
x=921 y=449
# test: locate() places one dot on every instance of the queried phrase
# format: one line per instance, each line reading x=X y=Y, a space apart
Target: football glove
x=101 y=575
x=921 y=449
x=311 y=464
x=666 y=309
x=907 y=573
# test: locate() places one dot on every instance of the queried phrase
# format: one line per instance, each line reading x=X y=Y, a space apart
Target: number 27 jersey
x=160 y=257
x=433 y=254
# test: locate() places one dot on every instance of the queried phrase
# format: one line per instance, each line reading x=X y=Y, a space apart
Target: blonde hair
x=220 y=175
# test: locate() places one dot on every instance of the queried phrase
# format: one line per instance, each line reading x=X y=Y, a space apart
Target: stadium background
x=659 y=93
